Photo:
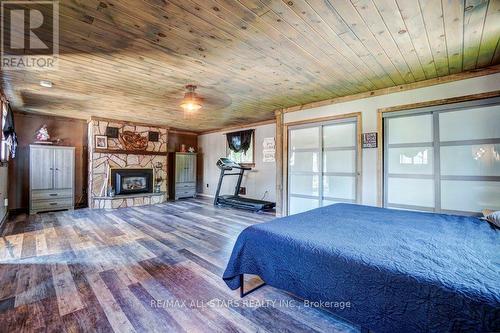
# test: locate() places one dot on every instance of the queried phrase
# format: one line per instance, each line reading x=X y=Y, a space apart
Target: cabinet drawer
x=184 y=185
x=51 y=194
x=52 y=204
x=185 y=193
x=184 y=189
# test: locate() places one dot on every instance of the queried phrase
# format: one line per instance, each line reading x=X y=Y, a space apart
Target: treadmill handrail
x=227 y=164
x=228 y=168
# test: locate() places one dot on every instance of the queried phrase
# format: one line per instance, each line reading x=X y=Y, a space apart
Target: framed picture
x=112 y=132
x=153 y=136
x=101 y=141
x=370 y=140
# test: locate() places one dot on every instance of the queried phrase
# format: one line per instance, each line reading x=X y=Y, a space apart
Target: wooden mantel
x=130 y=152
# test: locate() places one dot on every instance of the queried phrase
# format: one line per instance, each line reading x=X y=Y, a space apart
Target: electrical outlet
x=243 y=190
x=5 y=202
x=207 y=185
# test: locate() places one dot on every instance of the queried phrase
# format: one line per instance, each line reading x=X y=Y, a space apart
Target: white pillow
x=492 y=217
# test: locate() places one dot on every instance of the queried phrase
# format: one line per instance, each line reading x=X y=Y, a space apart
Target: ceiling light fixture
x=191 y=102
x=46 y=84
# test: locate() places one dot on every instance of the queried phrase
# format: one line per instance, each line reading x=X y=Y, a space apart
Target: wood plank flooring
x=144 y=269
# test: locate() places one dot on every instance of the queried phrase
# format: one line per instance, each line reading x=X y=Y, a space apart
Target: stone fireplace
x=136 y=170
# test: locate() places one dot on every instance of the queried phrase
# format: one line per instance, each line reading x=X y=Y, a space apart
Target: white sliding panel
x=409 y=162
x=304 y=169
x=470 y=159
x=322 y=165
x=339 y=162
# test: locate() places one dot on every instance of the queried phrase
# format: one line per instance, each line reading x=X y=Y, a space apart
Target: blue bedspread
x=401 y=271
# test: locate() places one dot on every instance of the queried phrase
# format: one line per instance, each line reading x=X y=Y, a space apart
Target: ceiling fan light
x=190 y=102
x=190 y=105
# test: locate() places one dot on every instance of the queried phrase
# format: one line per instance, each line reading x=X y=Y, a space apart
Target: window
x=443 y=159
x=4 y=146
x=242 y=157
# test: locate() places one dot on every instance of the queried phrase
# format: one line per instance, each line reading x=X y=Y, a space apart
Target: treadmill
x=231 y=168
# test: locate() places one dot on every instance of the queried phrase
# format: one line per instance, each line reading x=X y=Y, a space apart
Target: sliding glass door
x=443 y=159
x=322 y=164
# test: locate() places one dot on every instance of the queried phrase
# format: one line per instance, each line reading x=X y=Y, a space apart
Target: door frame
x=318 y=121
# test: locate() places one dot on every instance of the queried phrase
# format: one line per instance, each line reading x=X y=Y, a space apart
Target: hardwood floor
x=145 y=269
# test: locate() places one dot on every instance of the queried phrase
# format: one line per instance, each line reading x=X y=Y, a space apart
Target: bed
x=400 y=271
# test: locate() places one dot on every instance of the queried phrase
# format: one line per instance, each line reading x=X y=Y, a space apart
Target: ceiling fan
x=208 y=98
x=191 y=101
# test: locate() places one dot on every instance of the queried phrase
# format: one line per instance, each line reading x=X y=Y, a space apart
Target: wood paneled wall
x=177 y=138
x=72 y=132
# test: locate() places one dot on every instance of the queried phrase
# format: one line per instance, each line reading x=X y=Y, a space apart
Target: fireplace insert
x=129 y=181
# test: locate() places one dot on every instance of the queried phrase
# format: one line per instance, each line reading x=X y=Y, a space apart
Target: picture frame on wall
x=112 y=132
x=154 y=136
x=101 y=141
x=370 y=140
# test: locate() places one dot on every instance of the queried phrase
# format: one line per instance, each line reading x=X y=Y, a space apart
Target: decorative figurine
x=191 y=149
x=42 y=135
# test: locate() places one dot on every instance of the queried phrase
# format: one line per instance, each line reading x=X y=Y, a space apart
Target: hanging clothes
x=9 y=132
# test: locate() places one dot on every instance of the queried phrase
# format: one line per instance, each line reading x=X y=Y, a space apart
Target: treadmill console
x=226 y=164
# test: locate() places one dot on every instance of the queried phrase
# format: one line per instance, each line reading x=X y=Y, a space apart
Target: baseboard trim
x=205 y=195
x=17 y=211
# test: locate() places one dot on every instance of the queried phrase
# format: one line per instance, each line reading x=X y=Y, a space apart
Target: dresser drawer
x=51 y=194
x=62 y=203
x=185 y=193
x=185 y=190
x=180 y=186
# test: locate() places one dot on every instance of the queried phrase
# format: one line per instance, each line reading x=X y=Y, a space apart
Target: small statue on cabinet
x=42 y=135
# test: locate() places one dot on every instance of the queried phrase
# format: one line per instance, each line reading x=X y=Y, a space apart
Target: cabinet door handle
x=53 y=194
x=53 y=203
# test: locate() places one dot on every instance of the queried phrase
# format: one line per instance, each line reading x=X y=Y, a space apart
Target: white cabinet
x=63 y=168
x=41 y=171
x=183 y=172
x=52 y=178
x=185 y=165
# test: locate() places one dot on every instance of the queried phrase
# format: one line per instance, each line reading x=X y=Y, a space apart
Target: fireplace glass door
x=134 y=183
x=130 y=181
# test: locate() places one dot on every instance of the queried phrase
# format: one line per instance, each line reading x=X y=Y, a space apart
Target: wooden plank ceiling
x=130 y=59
